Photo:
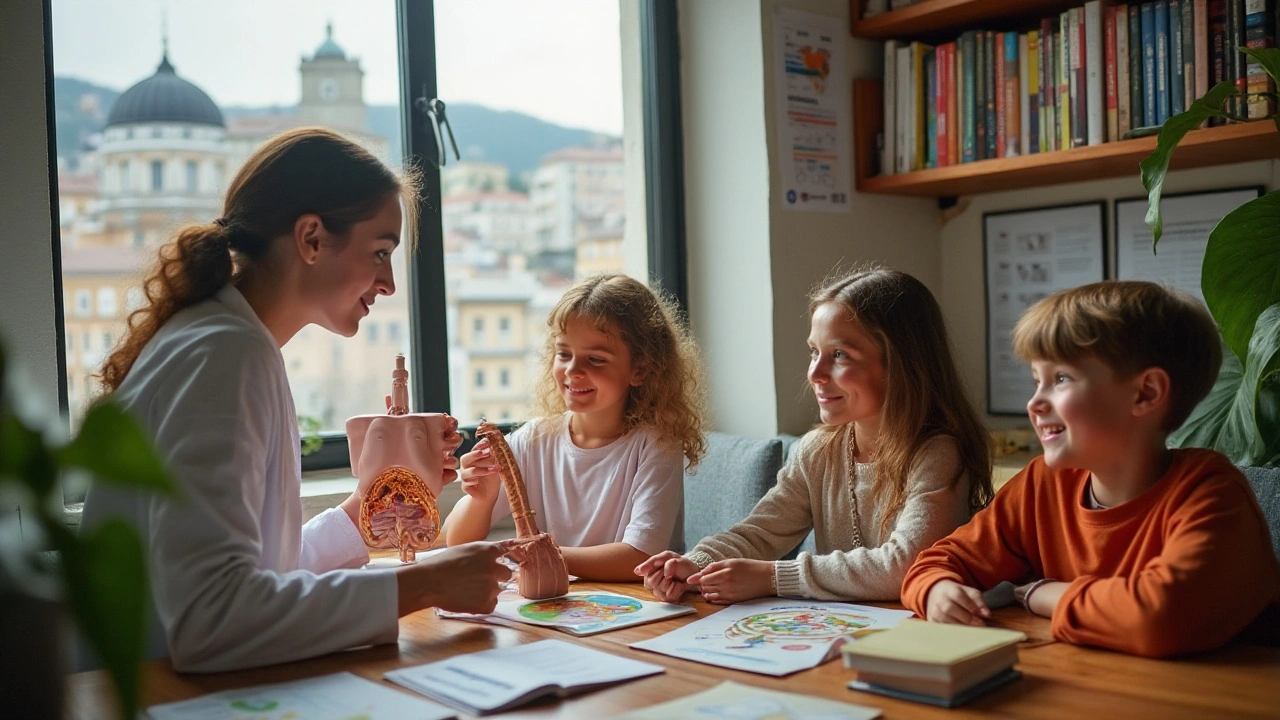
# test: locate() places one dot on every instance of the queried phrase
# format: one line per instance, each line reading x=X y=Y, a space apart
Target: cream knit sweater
x=813 y=493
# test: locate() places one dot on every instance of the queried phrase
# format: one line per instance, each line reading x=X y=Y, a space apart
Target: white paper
x=732 y=701
x=772 y=636
x=588 y=613
x=813 y=112
x=330 y=697
x=493 y=679
x=1188 y=220
x=1029 y=256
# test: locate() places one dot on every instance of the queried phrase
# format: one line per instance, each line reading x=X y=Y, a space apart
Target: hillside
x=514 y=139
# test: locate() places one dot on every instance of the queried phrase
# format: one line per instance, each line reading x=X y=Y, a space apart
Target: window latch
x=439 y=122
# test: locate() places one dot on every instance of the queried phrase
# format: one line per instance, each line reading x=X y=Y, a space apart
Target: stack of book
x=934 y=663
x=1085 y=77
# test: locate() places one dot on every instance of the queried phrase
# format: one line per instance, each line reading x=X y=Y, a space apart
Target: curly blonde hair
x=671 y=397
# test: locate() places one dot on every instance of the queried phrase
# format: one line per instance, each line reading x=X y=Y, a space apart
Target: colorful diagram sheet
x=341 y=696
x=587 y=613
x=772 y=636
x=729 y=700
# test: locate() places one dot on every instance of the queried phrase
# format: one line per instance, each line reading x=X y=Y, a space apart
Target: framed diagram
x=1027 y=256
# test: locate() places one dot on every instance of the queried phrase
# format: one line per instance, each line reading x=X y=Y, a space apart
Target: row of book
x=1088 y=76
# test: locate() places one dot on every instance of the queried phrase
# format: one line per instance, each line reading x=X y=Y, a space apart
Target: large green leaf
x=1156 y=166
x=112 y=447
x=106 y=575
x=1240 y=276
x=24 y=457
x=1227 y=420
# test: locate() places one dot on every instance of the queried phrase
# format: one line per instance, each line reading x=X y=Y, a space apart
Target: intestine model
x=399 y=457
x=542 y=570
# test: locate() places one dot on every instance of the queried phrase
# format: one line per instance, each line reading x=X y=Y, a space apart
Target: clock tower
x=332 y=88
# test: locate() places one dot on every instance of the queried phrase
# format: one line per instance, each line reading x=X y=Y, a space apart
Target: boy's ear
x=1152 y=387
x=307 y=233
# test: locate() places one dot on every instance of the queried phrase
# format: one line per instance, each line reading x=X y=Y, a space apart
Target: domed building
x=161 y=161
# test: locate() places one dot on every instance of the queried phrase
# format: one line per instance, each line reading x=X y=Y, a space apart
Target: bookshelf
x=1223 y=145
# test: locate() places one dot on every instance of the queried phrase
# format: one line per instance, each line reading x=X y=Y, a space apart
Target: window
x=372 y=332
x=504 y=331
x=157 y=176
x=84 y=302
x=124 y=178
x=193 y=173
x=107 y=342
x=393 y=332
x=479 y=379
x=477 y=332
x=106 y=302
x=133 y=298
x=504 y=378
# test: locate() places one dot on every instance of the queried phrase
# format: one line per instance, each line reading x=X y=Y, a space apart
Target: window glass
x=157 y=107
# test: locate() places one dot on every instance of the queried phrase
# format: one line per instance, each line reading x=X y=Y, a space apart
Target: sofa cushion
x=1266 y=486
x=730 y=480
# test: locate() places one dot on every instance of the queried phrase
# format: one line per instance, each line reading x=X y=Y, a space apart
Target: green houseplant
x=1240 y=279
x=101 y=574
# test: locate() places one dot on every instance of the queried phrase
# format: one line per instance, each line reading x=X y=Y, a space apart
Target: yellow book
x=915 y=648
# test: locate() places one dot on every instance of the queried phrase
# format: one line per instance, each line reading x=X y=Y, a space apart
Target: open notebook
x=504 y=678
x=329 y=697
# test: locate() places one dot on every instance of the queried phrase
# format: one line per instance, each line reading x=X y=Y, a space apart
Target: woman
x=307 y=231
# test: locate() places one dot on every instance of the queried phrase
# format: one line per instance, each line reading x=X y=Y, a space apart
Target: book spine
x=1235 y=58
x=993 y=92
x=1095 y=74
x=920 y=97
x=1065 y=108
x=1149 y=105
x=930 y=109
x=1046 y=95
x=889 y=150
x=952 y=104
x=1177 y=92
x=1124 y=121
x=940 y=104
x=1010 y=86
x=980 y=98
x=1188 y=54
x=903 y=128
x=969 y=95
x=1112 y=76
x=1076 y=80
x=1031 y=128
x=1200 y=9
x=1002 y=120
x=1162 y=61
x=1137 y=88
x=1258 y=35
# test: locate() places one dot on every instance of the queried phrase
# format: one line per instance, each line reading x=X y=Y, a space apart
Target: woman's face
x=349 y=274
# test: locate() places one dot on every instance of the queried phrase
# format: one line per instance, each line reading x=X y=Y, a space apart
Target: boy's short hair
x=1130 y=325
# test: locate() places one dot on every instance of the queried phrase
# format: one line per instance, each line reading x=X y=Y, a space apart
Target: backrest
x=1266 y=486
x=735 y=473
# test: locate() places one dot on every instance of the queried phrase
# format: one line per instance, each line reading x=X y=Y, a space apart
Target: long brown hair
x=305 y=170
x=671 y=397
x=923 y=394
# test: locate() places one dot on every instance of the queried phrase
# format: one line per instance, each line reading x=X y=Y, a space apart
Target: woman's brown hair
x=671 y=397
x=302 y=171
x=923 y=393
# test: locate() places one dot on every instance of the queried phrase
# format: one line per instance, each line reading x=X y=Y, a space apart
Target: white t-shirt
x=236 y=579
x=630 y=490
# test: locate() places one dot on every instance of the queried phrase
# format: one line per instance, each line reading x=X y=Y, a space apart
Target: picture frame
x=1028 y=255
x=1188 y=219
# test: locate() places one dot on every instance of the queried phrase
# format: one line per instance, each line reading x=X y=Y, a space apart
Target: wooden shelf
x=931 y=18
x=1209 y=146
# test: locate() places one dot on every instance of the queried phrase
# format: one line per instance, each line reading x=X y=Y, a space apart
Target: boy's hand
x=665 y=575
x=950 y=602
x=729 y=581
x=479 y=473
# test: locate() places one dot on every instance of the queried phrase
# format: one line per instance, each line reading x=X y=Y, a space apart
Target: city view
x=531 y=206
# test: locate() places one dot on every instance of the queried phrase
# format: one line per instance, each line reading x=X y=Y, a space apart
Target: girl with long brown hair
x=900 y=460
x=306 y=235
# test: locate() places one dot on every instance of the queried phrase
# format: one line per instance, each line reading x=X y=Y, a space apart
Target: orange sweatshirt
x=1184 y=567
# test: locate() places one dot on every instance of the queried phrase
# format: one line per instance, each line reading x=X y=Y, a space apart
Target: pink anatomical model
x=542 y=570
x=399 y=457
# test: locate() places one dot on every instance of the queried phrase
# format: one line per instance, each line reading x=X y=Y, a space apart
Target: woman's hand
x=666 y=575
x=479 y=474
x=950 y=602
x=729 y=581
x=461 y=579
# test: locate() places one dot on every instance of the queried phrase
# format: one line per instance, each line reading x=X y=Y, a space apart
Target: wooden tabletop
x=1059 y=680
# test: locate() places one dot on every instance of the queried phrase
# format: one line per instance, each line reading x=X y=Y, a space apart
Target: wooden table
x=1060 y=680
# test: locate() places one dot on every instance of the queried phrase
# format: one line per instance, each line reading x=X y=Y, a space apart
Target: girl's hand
x=666 y=574
x=452 y=439
x=479 y=474
x=724 y=582
x=950 y=602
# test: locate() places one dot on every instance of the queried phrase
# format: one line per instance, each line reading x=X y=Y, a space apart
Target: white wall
x=26 y=255
x=962 y=279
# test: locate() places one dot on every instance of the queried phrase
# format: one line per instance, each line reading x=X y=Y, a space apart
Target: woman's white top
x=236 y=579
x=631 y=490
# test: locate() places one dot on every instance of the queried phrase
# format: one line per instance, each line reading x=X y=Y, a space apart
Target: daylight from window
x=158 y=104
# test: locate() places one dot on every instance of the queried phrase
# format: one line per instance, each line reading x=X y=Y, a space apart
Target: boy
x=1124 y=543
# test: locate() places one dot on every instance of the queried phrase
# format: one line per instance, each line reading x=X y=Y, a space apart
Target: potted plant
x=1240 y=279
x=100 y=576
